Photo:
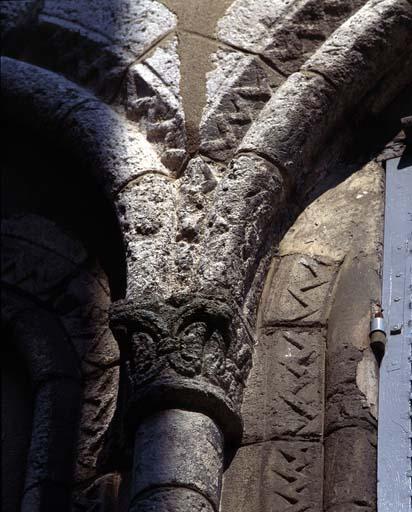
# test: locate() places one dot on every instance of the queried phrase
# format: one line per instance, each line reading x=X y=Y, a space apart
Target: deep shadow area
x=44 y=180
x=16 y=420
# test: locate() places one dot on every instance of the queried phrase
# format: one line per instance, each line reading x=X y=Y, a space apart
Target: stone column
x=178 y=462
x=186 y=363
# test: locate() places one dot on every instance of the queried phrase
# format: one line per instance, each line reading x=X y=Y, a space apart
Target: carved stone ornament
x=192 y=353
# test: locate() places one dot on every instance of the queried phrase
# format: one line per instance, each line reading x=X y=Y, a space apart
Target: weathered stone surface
x=103 y=352
x=99 y=402
x=196 y=191
x=237 y=89
x=110 y=145
x=245 y=203
x=15 y=15
x=52 y=449
x=348 y=343
x=48 y=355
x=357 y=48
x=55 y=380
x=205 y=230
x=173 y=500
x=292 y=126
x=195 y=32
x=286 y=33
x=329 y=228
x=103 y=493
x=152 y=98
x=300 y=292
x=115 y=20
x=275 y=475
x=350 y=471
x=191 y=352
x=28 y=242
x=43 y=261
x=114 y=150
x=284 y=395
x=94 y=42
x=146 y=210
x=247 y=24
x=176 y=448
x=195 y=195
x=281 y=35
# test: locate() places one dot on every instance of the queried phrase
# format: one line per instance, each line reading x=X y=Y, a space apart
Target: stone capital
x=188 y=352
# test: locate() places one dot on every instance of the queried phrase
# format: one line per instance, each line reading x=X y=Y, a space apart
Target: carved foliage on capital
x=183 y=340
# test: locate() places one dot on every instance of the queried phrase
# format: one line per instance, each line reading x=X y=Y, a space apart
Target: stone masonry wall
x=312 y=392
x=237 y=143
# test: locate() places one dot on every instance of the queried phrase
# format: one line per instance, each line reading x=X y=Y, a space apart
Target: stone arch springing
x=359 y=72
x=44 y=255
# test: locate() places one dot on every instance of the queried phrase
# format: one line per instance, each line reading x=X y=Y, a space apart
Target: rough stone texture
x=102 y=494
x=347 y=340
x=201 y=228
x=44 y=262
x=94 y=42
x=379 y=18
x=17 y=14
x=245 y=203
x=237 y=89
x=281 y=36
x=284 y=32
x=173 y=500
x=326 y=228
x=53 y=435
x=292 y=396
x=179 y=449
x=147 y=216
x=349 y=488
x=189 y=351
x=152 y=98
x=195 y=31
x=66 y=114
x=348 y=370
x=246 y=23
x=293 y=144
x=196 y=191
x=274 y=475
x=304 y=301
x=55 y=382
x=288 y=372
x=294 y=135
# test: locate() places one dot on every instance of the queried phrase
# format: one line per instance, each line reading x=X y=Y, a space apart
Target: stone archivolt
x=200 y=227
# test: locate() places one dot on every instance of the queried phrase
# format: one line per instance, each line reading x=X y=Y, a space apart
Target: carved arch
x=308 y=319
x=359 y=70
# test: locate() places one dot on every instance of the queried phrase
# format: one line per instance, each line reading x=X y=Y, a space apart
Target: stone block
x=281 y=476
x=300 y=291
x=350 y=471
x=284 y=394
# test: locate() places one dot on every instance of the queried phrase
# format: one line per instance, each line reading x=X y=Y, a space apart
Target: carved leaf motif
x=144 y=364
x=188 y=357
x=214 y=360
